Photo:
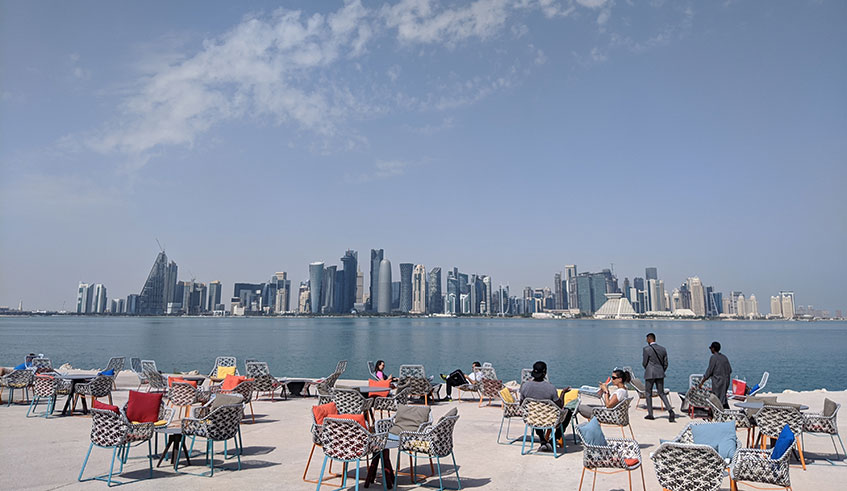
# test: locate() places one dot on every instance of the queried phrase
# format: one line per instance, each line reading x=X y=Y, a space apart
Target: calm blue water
x=798 y=355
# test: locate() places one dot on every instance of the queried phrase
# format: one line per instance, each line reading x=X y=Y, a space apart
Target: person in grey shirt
x=538 y=388
x=720 y=371
x=655 y=362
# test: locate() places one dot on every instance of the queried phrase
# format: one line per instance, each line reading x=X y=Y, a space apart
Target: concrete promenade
x=38 y=453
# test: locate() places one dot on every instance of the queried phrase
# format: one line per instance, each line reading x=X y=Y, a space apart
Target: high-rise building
x=571 y=292
x=752 y=306
x=376 y=257
x=153 y=299
x=715 y=300
x=698 y=296
x=419 y=292
x=395 y=296
x=487 y=296
x=651 y=274
x=558 y=291
x=316 y=277
x=583 y=289
x=360 y=287
x=656 y=292
x=453 y=287
x=741 y=305
x=132 y=304
x=99 y=303
x=384 y=287
x=787 y=299
x=406 y=286
x=435 y=304
x=84 y=298
x=282 y=300
x=304 y=297
x=328 y=290
x=215 y=290
x=626 y=287
x=350 y=263
x=171 y=284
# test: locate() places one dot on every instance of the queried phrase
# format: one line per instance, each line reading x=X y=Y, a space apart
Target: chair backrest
x=412 y=371
x=341 y=366
x=42 y=363
x=344 y=439
x=257 y=368
x=417 y=386
x=45 y=386
x=223 y=422
x=154 y=378
x=695 y=379
x=698 y=397
x=108 y=428
x=101 y=386
x=224 y=361
x=688 y=466
x=762 y=384
x=19 y=378
x=526 y=375
x=442 y=436
x=541 y=413
x=348 y=401
x=116 y=363
x=182 y=394
x=372 y=370
x=771 y=419
x=487 y=364
x=486 y=373
x=135 y=365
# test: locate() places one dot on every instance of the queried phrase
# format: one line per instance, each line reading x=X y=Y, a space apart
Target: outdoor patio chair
x=100 y=386
x=756 y=465
x=110 y=429
x=341 y=366
x=741 y=419
x=182 y=395
x=412 y=371
x=324 y=387
x=155 y=380
x=346 y=441
x=526 y=374
x=218 y=425
x=489 y=384
x=245 y=389
x=433 y=441
x=418 y=387
x=18 y=379
x=615 y=416
x=263 y=381
x=638 y=385
x=824 y=423
x=469 y=386
x=135 y=366
x=542 y=415
x=697 y=398
x=771 y=419
x=619 y=454
x=42 y=364
x=511 y=410
x=116 y=363
x=315 y=431
x=44 y=388
x=350 y=401
x=372 y=370
x=682 y=465
x=761 y=385
x=390 y=402
x=223 y=361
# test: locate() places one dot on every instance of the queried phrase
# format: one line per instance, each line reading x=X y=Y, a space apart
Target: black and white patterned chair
x=324 y=387
x=218 y=425
x=696 y=398
x=619 y=454
x=18 y=379
x=245 y=390
x=542 y=415
x=615 y=416
x=824 y=423
x=44 y=387
x=182 y=395
x=42 y=364
x=135 y=366
x=738 y=416
x=155 y=380
x=263 y=381
x=489 y=384
x=346 y=441
x=756 y=465
x=116 y=363
x=433 y=441
x=223 y=361
x=682 y=465
x=100 y=386
x=771 y=419
x=390 y=402
x=511 y=410
x=112 y=430
x=350 y=401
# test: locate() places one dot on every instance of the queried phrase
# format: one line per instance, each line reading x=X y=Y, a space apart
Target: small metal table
x=369 y=389
x=760 y=405
x=295 y=385
x=75 y=378
x=174 y=436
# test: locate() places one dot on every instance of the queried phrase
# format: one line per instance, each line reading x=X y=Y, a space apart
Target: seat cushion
x=409 y=418
x=783 y=443
x=324 y=410
x=224 y=371
x=106 y=407
x=829 y=407
x=225 y=400
x=143 y=406
x=570 y=396
x=592 y=434
x=715 y=400
x=507 y=396
x=108 y=373
x=379 y=383
x=720 y=436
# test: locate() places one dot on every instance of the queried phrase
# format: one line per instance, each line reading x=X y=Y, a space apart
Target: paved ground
x=47 y=454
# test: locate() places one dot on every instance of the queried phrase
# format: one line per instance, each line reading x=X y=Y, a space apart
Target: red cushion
x=143 y=406
x=323 y=411
x=106 y=407
x=630 y=462
x=379 y=383
x=232 y=381
x=360 y=418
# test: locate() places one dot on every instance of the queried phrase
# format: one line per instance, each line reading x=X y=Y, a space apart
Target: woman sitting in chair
x=610 y=397
x=379 y=371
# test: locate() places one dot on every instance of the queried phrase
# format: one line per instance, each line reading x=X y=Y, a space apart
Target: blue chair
x=542 y=415
x=346 y=441
x=44 y=388
x=219 y=425
x=112 y=430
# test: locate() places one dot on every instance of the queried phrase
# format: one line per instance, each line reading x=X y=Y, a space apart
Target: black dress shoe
x=672 y=417
x=649 y=417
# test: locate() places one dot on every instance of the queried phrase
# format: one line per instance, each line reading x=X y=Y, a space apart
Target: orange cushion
x=323 y=411
x=172 y=380
x=360 y=418
x=106 y=407
x=630 y=462
x=379 y=383
x=232 y=381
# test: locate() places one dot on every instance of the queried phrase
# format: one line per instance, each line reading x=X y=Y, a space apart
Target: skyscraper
x=453 y=286
x=215 y=289
x=487 y=296
x=558 y=292
x=698 y=296
x=316 y=277
x=571 y=285
x=83 y=298
x=282 y=302
x=384 y=287
x=626 y=287
x=741 y=305
x=435 y=303
x=99 y=302
x=419 y=292
x=328 y=293
x=406 y=286
x=132 y=303
x=153 y=299
x=376 y=257
x=787 y=304
x=360 y=286
x=304 y=297
x=651 y=274
x=350 y=263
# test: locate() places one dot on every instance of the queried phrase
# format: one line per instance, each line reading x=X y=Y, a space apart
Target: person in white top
x=609 y=396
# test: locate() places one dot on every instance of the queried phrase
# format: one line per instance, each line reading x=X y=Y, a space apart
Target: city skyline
x=704 y=138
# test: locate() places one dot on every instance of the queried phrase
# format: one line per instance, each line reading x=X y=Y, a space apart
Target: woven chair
x=245 y=389
x=324 y=387
x=741 y=419
x=418 y=387
x=412 y=371
x=341 y=366
x=372 y=370
x=432 y=441
x=155 y=380
x=682 y=465
x=771 y=419
x=182 y=395
x=315 y=431
x=40 y=363
x=613 y=455
x=390 y=402
x=346 y=441
x=470 y=386
x=526 y=375
x=18 y=379
x=44 y=387
x=263 y=381
x=489 y=385
x=756 y=465
x=615 y=416
x=697 y=398
x=112 y=430
x=351 y=401
x=223 y=361
x=116 y=363
x=100 y=386
x=511 y=410
x=542 y=415
x=218 y=425
x=823 y=424
x=135 y=365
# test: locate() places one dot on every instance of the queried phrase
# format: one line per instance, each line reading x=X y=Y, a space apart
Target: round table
x=75 y=378
x=760 y=405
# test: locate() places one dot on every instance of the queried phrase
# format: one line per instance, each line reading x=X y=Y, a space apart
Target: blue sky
x=504 y=137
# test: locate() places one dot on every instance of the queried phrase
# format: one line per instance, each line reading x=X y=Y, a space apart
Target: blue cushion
x=783 y=443
x=592 y=434
x=108 y=373
x=22 y=366
x=720 y=436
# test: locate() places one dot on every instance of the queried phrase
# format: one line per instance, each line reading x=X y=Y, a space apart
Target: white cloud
x=382 y=170
x=592 y=4
x=419 y=21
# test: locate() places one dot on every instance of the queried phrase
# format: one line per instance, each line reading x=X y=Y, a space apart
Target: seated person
x=379 y=371
x=458 y=378
x=538 y=388
x=610 y=397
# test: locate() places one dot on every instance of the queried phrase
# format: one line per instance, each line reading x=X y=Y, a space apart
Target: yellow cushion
x=506 y=394
x=224 y=371
x=161 y=422
x=570 y=395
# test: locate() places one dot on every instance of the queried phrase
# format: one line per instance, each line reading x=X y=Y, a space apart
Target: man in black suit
x=655 y=362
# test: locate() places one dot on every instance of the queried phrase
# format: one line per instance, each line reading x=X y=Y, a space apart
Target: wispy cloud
x=381 y=170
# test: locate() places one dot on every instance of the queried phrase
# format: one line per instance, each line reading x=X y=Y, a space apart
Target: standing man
x=719 y=371
x=655 y=362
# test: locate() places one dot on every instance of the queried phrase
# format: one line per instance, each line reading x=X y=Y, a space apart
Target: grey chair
x=263 y=381
x=100 y=386
x=155 y=380
x=615 y=416
x=223 y=361
x=18 y=379
x=116 y=363
x=113 y=431
x=219 y=425
x=682 y=465
x=135 y=366
x=824 y=423
x=434 y=441
x=756 y=465
x=771 y=419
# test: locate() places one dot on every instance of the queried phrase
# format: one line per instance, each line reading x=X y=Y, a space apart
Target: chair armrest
x=383 y=425
x=191 y=426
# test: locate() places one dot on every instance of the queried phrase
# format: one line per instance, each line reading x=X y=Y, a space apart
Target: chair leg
x=643 y=483
x=112 y=466
x=629 y=478
x=631 y=433
x=581 y=477
x=150 y=457
x=31 y=405
x=440 y=481
x=802 y=459
x=252 y=415
x=323 y=468
x=85 y=462
x=594 y=481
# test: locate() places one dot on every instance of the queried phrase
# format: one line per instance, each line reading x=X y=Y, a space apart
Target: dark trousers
x=456 y=379
x=660 y=388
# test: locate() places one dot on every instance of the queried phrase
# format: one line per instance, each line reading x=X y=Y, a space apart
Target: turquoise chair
x=112 y=430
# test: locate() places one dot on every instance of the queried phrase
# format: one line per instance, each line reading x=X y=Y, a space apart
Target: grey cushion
x=452 y=412
x=715 y=400
x=409 y=418
x=829 y=407
x=225 y=400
